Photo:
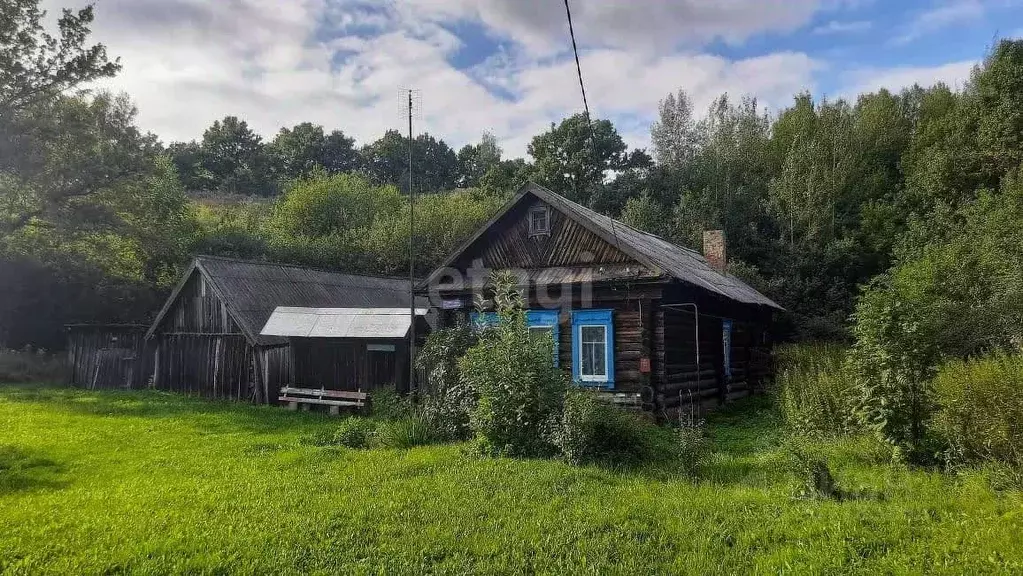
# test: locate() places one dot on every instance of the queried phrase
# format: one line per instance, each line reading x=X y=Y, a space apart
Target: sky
x=506 y=66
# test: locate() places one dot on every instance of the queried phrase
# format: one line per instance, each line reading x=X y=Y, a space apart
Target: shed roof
x=681 y=263
x=297 y=322
x=253 y=290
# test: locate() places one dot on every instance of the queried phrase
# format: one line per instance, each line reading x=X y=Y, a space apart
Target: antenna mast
x=411 y=248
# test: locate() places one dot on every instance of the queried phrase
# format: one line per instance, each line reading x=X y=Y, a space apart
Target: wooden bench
x=335 y=399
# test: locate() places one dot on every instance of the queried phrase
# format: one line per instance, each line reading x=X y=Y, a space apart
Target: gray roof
x=681 y=263
x=339 y=322
x=253 y=290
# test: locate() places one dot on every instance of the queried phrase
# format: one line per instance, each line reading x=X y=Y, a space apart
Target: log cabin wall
x=686 y=387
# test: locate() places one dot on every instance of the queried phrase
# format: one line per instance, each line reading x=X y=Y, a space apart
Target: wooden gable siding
x=198 y=310
x=508 y=244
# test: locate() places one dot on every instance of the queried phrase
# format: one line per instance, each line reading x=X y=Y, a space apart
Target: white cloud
x=954 y=74
x=843 y=27
x=190 y=62
x=651 y=24
x=949 y=13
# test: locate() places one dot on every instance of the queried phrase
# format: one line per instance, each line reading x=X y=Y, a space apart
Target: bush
x=408 y=432
x=956 y=296
x=519 y=389
x=17 y=366
x=591 y=431
x=354 y=433
x=981 y=409
x=448 y=401
x=389 y=404
x=813 y=391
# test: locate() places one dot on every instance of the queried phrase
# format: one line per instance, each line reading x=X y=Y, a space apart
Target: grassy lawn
x=154 y=483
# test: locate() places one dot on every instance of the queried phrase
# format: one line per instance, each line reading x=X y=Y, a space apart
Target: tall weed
x=980 y=410
x=813 y=391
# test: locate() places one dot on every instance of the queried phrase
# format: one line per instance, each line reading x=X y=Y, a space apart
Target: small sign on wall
x=380 y=347
x=453 y=304
x=644 y=365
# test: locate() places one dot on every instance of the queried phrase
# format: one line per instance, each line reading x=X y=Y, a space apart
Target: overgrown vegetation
x=813 y=390
x=30 y=365
x=980 y=410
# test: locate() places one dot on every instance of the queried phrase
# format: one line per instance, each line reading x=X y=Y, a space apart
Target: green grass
x=116 y=482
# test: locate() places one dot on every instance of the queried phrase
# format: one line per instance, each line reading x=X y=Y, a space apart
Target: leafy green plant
x=980 y=411
x=389 y=404
x=355 y=433
x=447 y=400
x=813 y=391
x=589 y=430
x=518 y=387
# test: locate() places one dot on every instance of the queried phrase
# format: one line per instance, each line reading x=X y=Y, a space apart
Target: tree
x=434 y=162
x=339 y=154
x=475 y=160
x=235 y=159
x=36 y=66
x=675 y=135
x=572 y=158
x=69 y=153
x=298 y=151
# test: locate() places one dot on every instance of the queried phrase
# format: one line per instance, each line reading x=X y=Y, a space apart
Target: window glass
x=538 y=221
x=593 y=348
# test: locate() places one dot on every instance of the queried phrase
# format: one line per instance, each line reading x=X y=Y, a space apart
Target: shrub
x=956 y=296
x=813 y=391
x=30 y=365
x=448 y=401
x=589 y=430
x=981 y=409
x=354 y=433
x=389 y=404
x=408 y=432
x=519 y=389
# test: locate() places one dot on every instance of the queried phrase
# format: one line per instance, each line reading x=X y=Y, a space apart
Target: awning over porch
x=339 y=322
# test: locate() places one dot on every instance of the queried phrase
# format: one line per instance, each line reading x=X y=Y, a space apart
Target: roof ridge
x=298 y=266
x=618 y=222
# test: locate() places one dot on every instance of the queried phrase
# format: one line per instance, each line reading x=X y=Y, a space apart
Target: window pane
x=593 y=348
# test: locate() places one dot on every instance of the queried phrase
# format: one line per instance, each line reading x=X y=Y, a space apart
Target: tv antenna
x=410 y=102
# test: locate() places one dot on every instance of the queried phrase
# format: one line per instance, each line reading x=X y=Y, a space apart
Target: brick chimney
x=714 y=249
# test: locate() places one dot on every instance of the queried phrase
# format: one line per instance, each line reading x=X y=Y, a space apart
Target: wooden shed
x=108 y=356
x=348 y=349
x=207 y=337
x=638 y=318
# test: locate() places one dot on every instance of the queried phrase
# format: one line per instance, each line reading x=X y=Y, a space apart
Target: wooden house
x=347 y=349
x=207 y=338
x=639 y=318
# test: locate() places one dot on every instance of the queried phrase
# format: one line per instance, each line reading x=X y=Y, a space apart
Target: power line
x=586 y=108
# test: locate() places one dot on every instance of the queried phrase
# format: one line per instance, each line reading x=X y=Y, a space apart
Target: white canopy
x=339 y=322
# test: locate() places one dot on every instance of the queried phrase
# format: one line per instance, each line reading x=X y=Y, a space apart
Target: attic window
x=539 y=221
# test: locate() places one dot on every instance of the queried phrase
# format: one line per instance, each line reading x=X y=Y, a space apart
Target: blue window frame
x=593 y=362
x=546 y=321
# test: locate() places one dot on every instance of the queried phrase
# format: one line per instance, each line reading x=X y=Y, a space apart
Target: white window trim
x=605 y=377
